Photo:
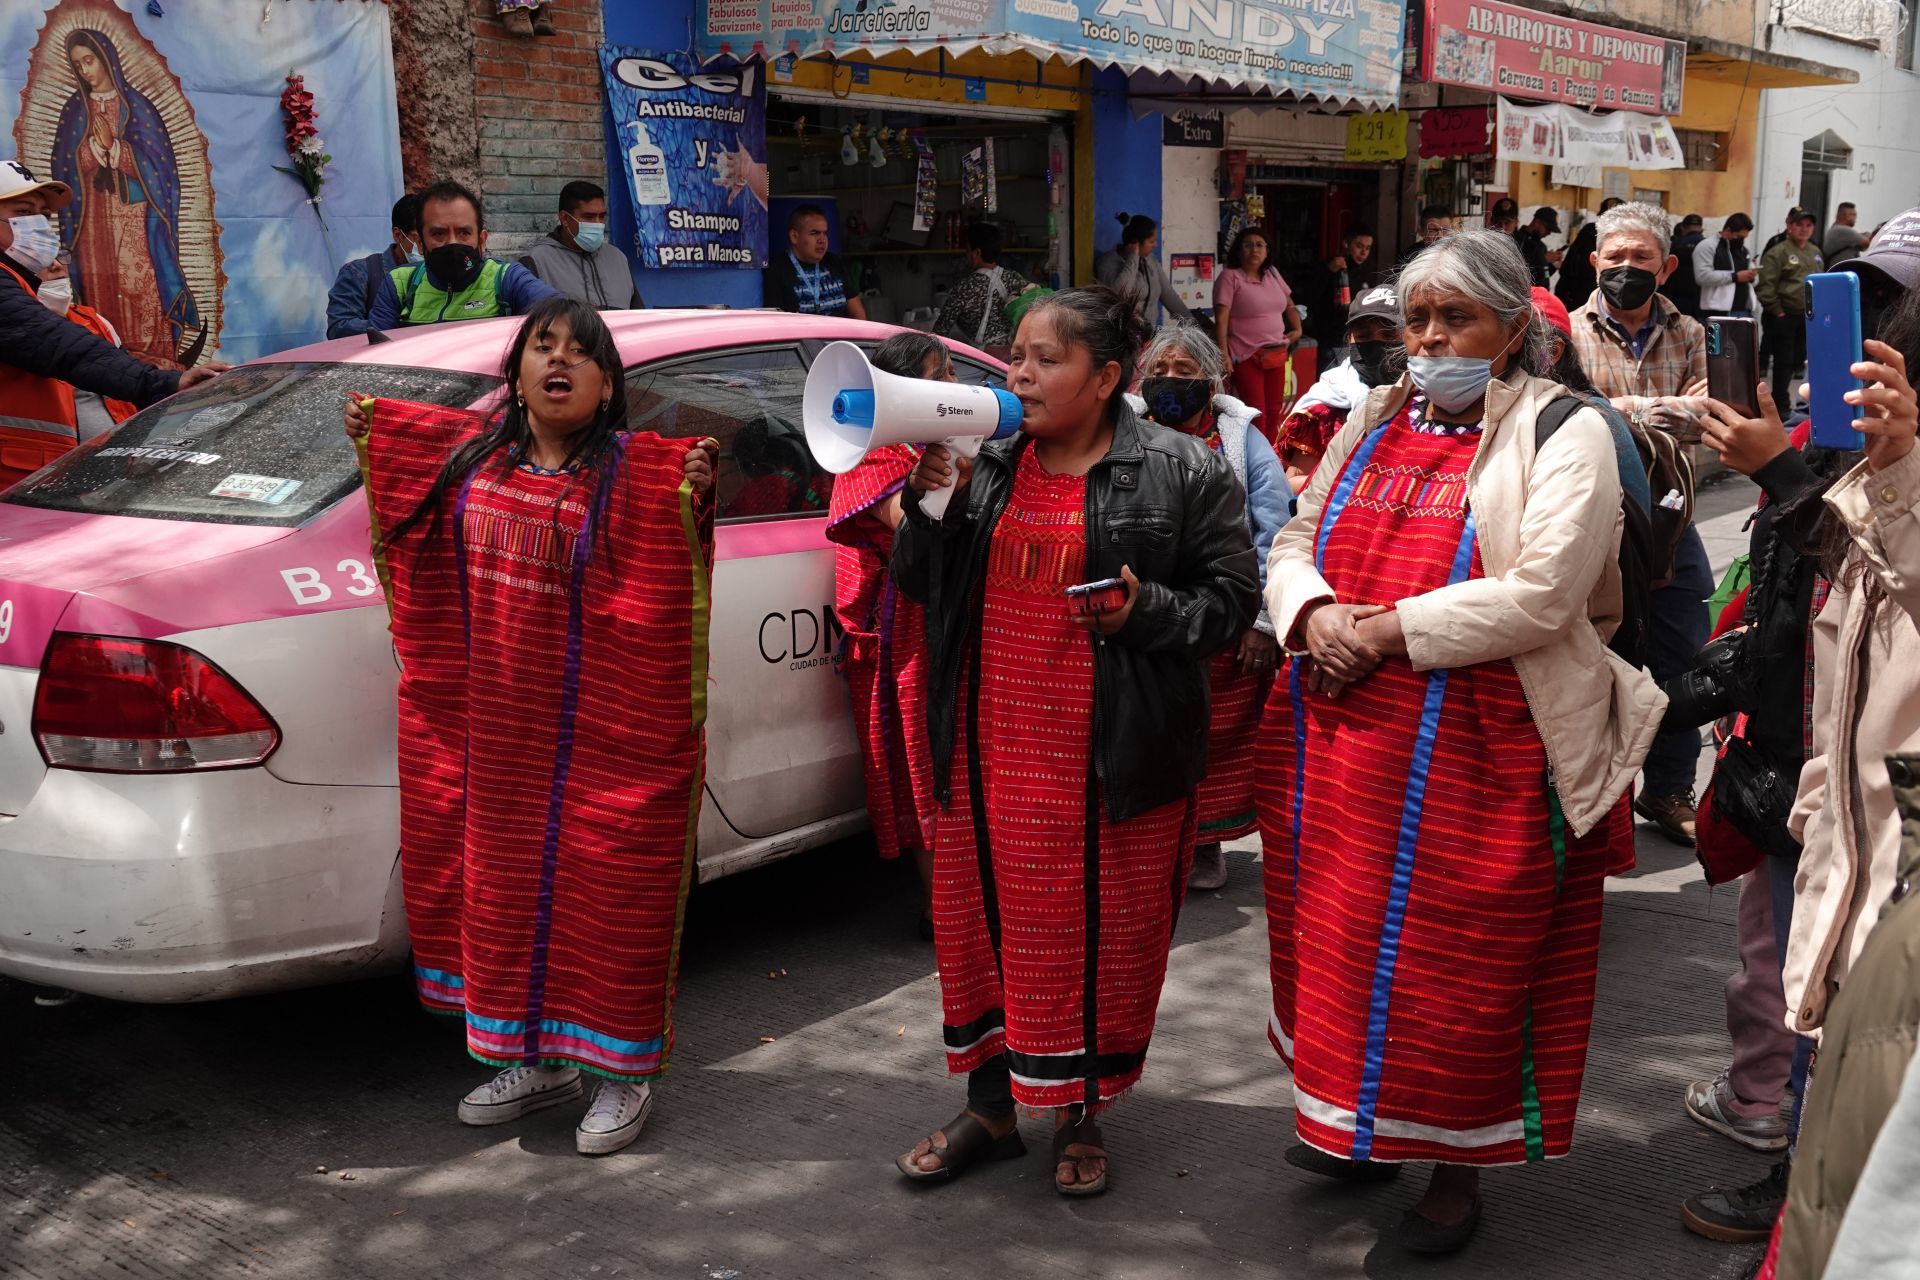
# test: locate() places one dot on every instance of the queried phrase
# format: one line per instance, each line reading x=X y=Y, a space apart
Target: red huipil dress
x=1052 y=942
x=1434 y=929
x=553 y=652
x=1224 y=799
x=884 y=654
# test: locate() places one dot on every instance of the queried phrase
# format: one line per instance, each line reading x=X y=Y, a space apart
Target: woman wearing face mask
x=549 y=783
x=1063 y=838
x=884 y=653
x=1258 y=325
x=1131 y=270
x=1374 y=358
x=1182 y=391
x=1452 y=790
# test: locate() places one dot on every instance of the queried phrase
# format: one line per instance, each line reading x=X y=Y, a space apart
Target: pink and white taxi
x=197 y=783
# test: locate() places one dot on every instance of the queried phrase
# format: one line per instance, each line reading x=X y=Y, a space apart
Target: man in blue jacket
x=456 y=280
x=350 y=301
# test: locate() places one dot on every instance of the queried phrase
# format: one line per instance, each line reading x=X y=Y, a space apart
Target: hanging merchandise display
x=926 y=195
x=1557 y=134
x=695 y=141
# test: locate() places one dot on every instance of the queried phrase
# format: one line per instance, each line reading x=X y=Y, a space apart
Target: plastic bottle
x=649 y=163
x=1342 y=293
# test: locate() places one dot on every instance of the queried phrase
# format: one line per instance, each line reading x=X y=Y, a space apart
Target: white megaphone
x=852 y=407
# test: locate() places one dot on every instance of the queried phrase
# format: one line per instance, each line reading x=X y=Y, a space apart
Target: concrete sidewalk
x=187 y=1142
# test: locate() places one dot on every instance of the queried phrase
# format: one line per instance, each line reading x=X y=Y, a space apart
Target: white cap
x=18 y=180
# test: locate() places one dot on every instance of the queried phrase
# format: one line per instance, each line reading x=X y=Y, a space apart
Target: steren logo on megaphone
x=851 y=407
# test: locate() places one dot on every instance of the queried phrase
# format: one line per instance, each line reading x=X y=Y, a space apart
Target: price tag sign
x=1377 y=136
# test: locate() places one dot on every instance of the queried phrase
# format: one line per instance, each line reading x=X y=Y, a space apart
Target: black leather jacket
x=1165 y=505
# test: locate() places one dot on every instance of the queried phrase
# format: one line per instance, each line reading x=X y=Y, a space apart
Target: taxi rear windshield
x=262 y=444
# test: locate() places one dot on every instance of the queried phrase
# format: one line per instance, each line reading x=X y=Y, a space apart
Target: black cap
x=1503 y=208
x=1894 y=253
x=1548 y=215
x=1380 y=300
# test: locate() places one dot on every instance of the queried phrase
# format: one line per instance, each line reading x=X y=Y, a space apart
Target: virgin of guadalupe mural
x=104 y=115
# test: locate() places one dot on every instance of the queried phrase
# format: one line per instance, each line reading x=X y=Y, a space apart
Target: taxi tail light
x=107 y=704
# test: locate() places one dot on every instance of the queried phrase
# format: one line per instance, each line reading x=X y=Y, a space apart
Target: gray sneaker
x=1714 y=1104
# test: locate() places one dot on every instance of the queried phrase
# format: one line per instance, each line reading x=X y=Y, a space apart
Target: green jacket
x=1783 y=277
x=1866 y=1047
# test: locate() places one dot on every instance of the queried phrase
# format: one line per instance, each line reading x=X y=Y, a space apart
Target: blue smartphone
x=1833 y=348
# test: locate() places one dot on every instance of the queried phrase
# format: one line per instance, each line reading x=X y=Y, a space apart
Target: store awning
x=1338 y=53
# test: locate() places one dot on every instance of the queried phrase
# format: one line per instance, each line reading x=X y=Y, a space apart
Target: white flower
x=313 y=146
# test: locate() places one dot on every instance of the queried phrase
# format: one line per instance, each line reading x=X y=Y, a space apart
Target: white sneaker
x=519 y=1091
x=614 y=1117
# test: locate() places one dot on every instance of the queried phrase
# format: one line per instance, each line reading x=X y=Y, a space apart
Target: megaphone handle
x=934 y=501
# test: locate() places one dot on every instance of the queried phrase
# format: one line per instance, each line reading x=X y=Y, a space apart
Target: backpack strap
x=1553 y=417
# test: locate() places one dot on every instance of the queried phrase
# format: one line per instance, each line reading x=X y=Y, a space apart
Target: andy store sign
x=1340 y=49
x=695 y=143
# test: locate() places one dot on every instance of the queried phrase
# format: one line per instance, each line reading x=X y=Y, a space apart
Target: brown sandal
x=1084 y=1134
x=968 y=1142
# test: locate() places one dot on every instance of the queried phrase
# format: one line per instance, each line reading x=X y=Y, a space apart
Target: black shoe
x=1418 y=1233
x=1314 y=1160
x=1744 y=1215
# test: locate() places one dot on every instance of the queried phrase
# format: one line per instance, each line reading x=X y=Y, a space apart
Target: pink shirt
x=1259 y=310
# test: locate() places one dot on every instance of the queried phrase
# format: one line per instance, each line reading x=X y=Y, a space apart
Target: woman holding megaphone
x=1076 y=587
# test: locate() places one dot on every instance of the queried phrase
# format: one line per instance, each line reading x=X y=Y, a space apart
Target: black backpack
x=1636 y=544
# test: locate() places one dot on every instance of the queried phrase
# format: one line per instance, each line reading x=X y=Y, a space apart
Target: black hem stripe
x=1074 y=1066
x=972 y=1033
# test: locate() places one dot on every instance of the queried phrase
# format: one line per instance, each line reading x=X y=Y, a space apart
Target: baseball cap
x=1379 y=300
x=1797 y=214
x=18 y=180
x=1552 y=310
x=1504 y=207
x=1548 y=215
x=1894 y=253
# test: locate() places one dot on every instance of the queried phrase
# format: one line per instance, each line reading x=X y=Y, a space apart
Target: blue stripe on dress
x=1389 y=952
x=1297 y=695
x=1343 y=491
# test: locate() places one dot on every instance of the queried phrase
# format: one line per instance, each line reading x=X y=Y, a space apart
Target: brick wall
x=538 y=104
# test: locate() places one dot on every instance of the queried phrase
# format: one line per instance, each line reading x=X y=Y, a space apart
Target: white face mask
x=57 y=295
x=35 y=243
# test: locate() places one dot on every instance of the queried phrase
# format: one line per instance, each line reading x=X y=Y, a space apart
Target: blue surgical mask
x=414 y=256
x=35 y=243
x=1452 y=384
x=589 y=235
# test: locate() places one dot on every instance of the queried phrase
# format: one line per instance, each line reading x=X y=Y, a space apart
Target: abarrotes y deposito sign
x=693 y=144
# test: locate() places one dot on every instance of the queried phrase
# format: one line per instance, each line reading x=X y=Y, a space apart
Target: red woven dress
x=1433 y=929
x=1052 y=943
x=885 y=654
x=553 y=650
x=1224 y=800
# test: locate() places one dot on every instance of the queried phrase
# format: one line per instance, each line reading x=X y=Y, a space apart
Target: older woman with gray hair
x=1451 y=788
x=1185 y=374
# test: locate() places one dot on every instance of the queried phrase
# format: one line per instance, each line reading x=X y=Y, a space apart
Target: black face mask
x=1373 y=361
x=1628 y=288
x=1173 y=402
x=455 y=265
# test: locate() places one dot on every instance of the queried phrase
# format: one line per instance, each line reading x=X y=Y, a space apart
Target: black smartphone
x=1733 y=362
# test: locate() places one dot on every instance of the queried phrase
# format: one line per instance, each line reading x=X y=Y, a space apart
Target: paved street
x=190 y=1142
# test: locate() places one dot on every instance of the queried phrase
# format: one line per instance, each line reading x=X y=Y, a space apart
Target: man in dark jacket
x=44 y=354
x=1681 y=288
x=1532 y=241
x=350 y=301
x=1577 y=276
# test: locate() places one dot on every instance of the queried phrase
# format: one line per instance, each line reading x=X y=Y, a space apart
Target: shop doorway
x=1819 y=158
x=903 y=235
